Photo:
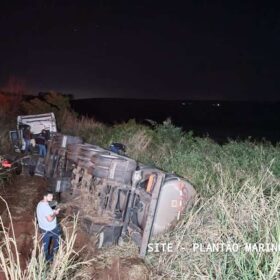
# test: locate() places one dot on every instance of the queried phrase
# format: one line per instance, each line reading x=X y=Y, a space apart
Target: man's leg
x=27 y=144
x=46 y=244
x=44 y=150
x=55 y=236
x=40 y=150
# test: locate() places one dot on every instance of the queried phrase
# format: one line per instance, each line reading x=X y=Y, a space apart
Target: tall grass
x=66 y=263
x=242 y=213
x=239 y=200
x=238 y=185
x=88 y=129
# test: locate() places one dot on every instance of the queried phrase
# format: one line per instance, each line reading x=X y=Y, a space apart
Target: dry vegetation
x=67 y=263
x=239 y=199
x=238 y=185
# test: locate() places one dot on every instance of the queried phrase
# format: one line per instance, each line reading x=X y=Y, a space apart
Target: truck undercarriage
x=115 y=196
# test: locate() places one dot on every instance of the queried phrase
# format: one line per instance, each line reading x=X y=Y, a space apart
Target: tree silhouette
x=11 y=95
x=49 y=102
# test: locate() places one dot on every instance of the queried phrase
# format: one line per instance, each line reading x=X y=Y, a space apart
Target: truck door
x=16 y=139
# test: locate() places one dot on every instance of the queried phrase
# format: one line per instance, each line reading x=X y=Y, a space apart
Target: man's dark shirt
x=40 y=140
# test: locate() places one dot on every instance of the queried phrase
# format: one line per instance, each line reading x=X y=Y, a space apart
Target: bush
x=50 y=102
x=238 y=186
x=66 y=264
x=239 y=196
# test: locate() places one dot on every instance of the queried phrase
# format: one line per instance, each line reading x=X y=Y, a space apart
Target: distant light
x=216 y=104
x=184 y=103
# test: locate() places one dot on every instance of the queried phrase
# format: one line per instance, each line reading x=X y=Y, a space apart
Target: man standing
x=46 y=217
x=41 y=142
x=27 y=137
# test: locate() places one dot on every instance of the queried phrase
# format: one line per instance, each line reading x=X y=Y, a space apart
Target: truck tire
x=119 y=169
x=90 y=150
x=72 y=152
x=109 y=236
x=105 y=160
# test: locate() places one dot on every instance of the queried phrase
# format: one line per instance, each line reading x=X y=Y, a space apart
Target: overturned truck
x=116 y=197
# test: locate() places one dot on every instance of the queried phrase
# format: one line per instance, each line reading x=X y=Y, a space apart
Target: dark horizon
x=139 y=98
x=276 y=101
x=219 y=120
x=103 y=49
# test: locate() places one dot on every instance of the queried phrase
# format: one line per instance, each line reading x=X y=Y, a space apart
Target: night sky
x=144 y=49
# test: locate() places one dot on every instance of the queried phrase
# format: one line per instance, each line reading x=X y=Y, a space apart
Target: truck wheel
x=109 y=236
x=113 y=167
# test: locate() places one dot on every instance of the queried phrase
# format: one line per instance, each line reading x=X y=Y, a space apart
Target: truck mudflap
x=116 y=197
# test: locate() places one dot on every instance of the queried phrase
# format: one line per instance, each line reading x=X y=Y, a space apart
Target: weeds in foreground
x=238 y=184
x=239 y=189
x=245 y=216
x=66 y=263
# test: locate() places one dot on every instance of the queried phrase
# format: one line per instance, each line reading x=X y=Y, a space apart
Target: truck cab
x=36 y=123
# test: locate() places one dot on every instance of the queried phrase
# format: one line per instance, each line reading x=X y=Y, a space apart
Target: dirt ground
x=22 y=196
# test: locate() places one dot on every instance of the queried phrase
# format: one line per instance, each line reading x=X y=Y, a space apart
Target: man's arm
x=51 y=217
